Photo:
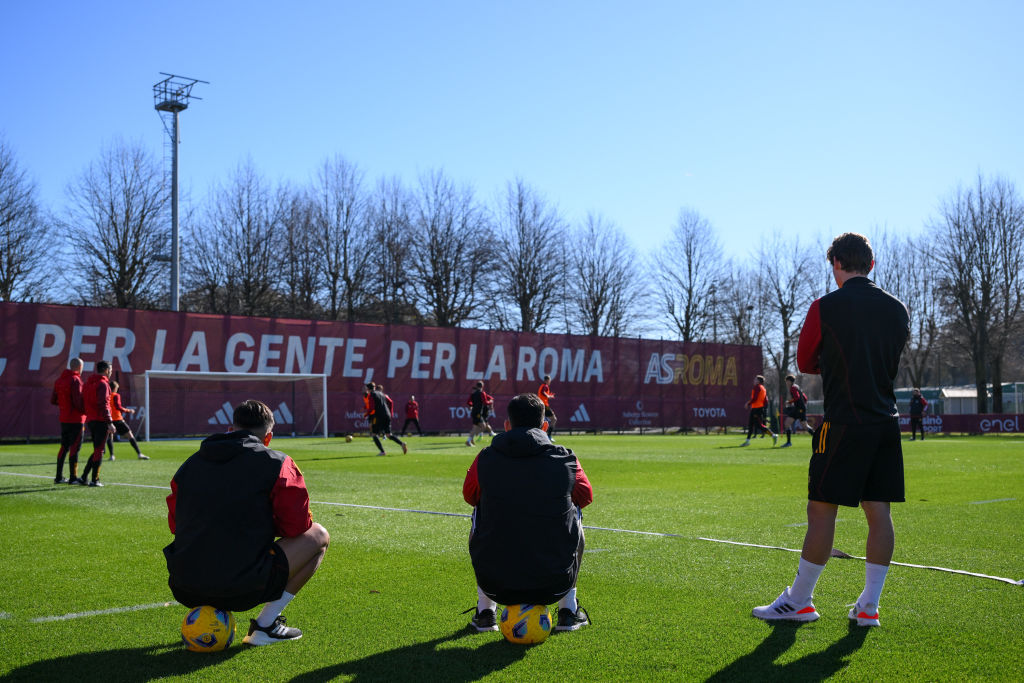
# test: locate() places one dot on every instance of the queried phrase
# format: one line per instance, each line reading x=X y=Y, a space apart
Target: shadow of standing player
x=759 y=665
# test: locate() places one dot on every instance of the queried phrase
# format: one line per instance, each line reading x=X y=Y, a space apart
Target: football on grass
x=207 y=629
x=525 y=624
x=348 y=438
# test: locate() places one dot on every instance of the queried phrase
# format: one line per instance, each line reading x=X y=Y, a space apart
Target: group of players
x=94 y=405
x=268 y=545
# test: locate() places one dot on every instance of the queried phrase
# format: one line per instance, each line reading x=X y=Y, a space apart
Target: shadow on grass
x=425 y=662
x=760 y=665
x=129 y=664
x=36 y=489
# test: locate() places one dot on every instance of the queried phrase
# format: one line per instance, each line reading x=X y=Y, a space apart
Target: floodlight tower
x=170 y=98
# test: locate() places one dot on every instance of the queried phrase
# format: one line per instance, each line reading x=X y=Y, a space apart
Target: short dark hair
x=526 y=410
x=760 y=379
x=853 y=251
x=114 y=386
x=479 y=385
x=253 y=415
x=790 y=378
x=369 y=385
x=547 y=377
x=102 y=366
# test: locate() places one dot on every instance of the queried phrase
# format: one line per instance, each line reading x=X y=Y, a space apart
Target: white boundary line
x=595 y=528
x=995 y=500
x=97 y=612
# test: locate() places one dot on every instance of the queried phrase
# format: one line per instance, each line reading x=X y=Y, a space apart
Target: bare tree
x=1007 y=236
x=687 y=269
x=739 y=310
x=116 y=221
x=25 y=251
x=300 y=276
x=389 y=255
x=246 y=217
x=787 y=283
x=343 y=231
x=529 y=267
x=902 y=268
x=605 y=285
x=451 y=251
x=967 y=235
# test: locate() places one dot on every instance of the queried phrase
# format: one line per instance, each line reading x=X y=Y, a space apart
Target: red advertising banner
x=599 y=382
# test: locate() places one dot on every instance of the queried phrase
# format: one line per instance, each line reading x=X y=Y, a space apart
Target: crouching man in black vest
x=229 y=502
x=526 y=543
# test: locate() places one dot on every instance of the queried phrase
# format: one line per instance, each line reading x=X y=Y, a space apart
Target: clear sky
x=816 y=117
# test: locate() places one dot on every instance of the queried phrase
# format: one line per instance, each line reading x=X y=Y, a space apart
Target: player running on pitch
x=756 y=405
x=796 y=411
x=378 y=412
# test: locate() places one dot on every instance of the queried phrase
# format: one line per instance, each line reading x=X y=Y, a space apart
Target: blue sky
x=810 y=118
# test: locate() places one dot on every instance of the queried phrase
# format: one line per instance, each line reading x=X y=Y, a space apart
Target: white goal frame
x=269 y=376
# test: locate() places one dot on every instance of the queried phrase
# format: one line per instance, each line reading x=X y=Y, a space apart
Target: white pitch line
x=596 y=528
x=994 y=500
x=855 y=557
x=97 y=612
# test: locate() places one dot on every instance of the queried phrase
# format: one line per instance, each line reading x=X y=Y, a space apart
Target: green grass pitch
x=386 y=603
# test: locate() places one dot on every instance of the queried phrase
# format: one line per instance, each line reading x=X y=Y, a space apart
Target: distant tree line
x=435 y=253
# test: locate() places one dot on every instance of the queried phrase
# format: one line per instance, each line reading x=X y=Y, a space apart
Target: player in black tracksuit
x=918 y=404
x=853 y=337
x=527 y=538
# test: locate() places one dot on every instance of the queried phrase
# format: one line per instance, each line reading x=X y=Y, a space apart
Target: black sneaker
x=60 y=480
x=569 y=621
x=79 y=481
x=483 y=621
x=95 y=482
x=275 y=633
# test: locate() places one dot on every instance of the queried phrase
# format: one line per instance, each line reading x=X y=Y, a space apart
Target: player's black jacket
x=854 y=337
x=526 y=537
x=224 y=516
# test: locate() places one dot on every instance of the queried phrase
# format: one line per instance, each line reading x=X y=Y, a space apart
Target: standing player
x=756 y=405
x=918 y=407
x=545 y=394
x=67 y=395
x=229 y=502
x=378 y=411
x=523 y=471
x=796 y=410
x=854 y=337
x=96 y=398
x=117 y=411
x=480 y=403
x=412 y=414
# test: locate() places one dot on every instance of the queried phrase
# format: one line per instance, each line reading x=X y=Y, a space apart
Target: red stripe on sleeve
x=289 y=500
x=582 y=491
x=471 y=485
x=808 y=351
x=172 y=502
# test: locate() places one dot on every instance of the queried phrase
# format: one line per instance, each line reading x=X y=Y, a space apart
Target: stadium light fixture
x=171 y=97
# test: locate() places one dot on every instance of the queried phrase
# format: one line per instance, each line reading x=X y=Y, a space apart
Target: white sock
x=483 y=602
x=874 y=580
x=272 y=610
x=806 y=578
x=568 y=601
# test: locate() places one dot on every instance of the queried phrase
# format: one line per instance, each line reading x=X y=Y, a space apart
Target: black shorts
x=98 y=432
x=478 y=418
x=122 y=427
x=277 y=579
x=70 y=434
x=381 y=426
x=796 y=412
x=852 y=463
x=550 y=414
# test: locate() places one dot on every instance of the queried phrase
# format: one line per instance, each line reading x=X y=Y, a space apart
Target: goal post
x=219 y=401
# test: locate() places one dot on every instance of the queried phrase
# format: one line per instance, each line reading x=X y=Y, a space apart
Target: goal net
x=177 y=404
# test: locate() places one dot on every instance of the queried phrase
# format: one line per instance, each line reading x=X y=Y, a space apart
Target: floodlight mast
x=171 y=97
